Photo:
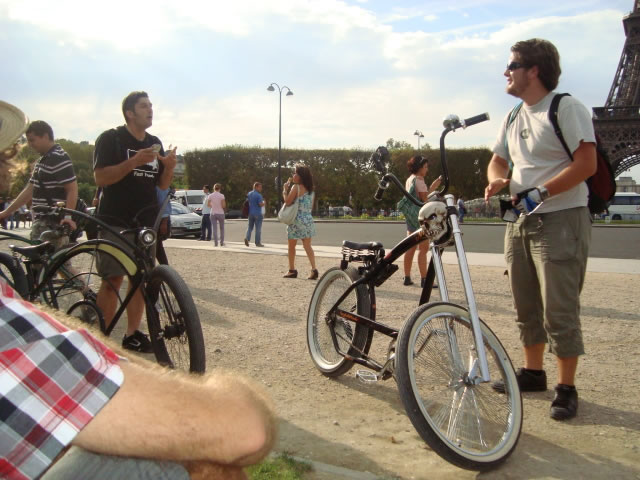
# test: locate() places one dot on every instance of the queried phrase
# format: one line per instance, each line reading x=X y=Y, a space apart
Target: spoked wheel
x=174 y=323
x=470 y=425
x=72 y=285
x=352 y=338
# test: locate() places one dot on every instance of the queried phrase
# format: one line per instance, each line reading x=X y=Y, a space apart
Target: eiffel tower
x=618 y=122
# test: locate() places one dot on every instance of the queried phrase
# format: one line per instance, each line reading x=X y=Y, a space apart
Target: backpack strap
x=553 y=118
x=512 y=117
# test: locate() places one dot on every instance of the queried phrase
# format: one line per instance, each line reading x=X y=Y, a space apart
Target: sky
x=361 y=71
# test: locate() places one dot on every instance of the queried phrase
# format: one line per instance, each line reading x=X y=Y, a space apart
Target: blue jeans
x=257 y=221
x=205 y=227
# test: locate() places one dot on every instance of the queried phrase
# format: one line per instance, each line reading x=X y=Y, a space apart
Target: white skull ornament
x=432 y=216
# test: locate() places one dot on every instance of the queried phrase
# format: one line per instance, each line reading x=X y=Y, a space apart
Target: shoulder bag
x=288 y=213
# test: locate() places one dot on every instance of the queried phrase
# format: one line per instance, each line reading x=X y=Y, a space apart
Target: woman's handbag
x=288 y=213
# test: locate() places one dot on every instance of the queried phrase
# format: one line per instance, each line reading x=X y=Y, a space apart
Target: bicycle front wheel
x=174 y=323
x=470 y=425
x=352 y=338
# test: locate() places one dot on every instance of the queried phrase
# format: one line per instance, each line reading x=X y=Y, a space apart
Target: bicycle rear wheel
x=72 y=281
x=470 y=425
x=353 y=338
x=12 y=272
x=174 y=323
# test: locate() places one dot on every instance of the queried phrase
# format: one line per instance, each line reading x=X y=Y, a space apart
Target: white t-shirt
x=536 y=151
x=206 y=209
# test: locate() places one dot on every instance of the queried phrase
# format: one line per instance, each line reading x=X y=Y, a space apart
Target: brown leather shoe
x=291 y=274
x=313 y=275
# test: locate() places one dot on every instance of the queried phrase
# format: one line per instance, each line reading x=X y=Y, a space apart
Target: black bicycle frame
x=411 y=241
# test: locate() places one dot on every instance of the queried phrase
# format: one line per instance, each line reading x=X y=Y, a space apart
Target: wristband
x=544 y=193
x=67 y=217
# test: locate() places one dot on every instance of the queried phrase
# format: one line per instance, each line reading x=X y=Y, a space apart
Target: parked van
x=339 y=211
x=191 y=198
x=625 y=206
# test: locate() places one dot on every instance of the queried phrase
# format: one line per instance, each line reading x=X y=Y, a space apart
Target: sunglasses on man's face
x=514 y=66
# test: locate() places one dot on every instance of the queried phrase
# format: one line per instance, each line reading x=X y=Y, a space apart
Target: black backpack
x=602 y=184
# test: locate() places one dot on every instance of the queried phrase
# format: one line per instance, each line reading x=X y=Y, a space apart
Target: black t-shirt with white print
x=122 y=201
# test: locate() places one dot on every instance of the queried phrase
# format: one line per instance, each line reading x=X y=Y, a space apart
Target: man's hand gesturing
x=169 y=161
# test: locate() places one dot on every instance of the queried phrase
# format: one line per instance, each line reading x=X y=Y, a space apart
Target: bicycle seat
x=373 y=246
x=33 y=252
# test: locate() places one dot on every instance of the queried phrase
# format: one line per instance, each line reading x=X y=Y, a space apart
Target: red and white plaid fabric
x=53 y=381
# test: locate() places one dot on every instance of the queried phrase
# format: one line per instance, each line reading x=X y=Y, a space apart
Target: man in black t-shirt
x=53 y=180
x=128 y=168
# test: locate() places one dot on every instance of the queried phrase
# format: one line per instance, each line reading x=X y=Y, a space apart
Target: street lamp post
x=418 y=134
x=289 y=92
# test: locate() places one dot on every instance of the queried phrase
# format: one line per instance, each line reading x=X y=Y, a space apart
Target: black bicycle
x=444 y=358
x=69 y=280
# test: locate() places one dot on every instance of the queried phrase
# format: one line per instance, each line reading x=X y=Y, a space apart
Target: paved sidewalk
x=601 y=265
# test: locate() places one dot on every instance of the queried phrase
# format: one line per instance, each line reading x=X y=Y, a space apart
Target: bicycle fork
x=479 y=369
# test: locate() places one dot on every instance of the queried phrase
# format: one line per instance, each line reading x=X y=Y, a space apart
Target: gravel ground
x=254 y=321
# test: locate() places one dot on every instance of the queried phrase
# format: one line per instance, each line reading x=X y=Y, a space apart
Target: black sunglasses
x=515 y=66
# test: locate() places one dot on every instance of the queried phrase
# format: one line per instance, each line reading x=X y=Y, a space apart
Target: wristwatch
x=544 y=193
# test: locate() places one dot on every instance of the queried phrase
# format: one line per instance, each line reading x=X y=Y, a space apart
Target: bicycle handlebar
x=451 y=123
x=59 y=212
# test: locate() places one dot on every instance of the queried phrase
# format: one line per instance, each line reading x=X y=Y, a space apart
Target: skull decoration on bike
x=433 y=216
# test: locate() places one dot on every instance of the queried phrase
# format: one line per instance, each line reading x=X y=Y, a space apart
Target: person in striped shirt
x=53 y=180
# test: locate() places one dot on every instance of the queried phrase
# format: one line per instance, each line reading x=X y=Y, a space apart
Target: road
x=607 y=241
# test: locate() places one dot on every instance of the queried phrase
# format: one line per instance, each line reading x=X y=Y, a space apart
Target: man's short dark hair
x=39 y=128
x=206 y=187
x=543 y=54
x=129 y=102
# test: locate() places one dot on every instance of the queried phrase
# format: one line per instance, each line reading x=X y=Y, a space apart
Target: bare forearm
x=497 y=173
x=109 y=175
x=71 y=189
x=219 y=419
x=166 y=178
x=497 y=169
x=581 y=168
x=23 y=198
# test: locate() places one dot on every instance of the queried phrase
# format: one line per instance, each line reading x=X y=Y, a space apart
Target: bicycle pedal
x=367 y=376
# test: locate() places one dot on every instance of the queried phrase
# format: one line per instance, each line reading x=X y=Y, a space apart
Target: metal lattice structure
x=618 y=122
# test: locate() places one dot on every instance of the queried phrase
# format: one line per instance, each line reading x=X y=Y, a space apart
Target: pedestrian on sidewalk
x=256 y=202
x=546 y=247
x=205 y=226
x=418 y=167
x=218 y=204
x=299 y=188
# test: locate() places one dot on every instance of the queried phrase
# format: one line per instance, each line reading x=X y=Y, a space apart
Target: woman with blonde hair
x=299 y=188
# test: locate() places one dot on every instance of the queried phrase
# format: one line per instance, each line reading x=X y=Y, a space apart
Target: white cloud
x=358 y=77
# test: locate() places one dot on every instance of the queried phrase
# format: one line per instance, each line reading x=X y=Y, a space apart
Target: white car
x=184 y=222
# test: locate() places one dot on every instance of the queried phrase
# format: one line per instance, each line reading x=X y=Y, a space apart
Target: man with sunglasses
x=546 y=247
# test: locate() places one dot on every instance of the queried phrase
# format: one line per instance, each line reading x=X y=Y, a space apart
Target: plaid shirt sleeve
x=53 y=381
